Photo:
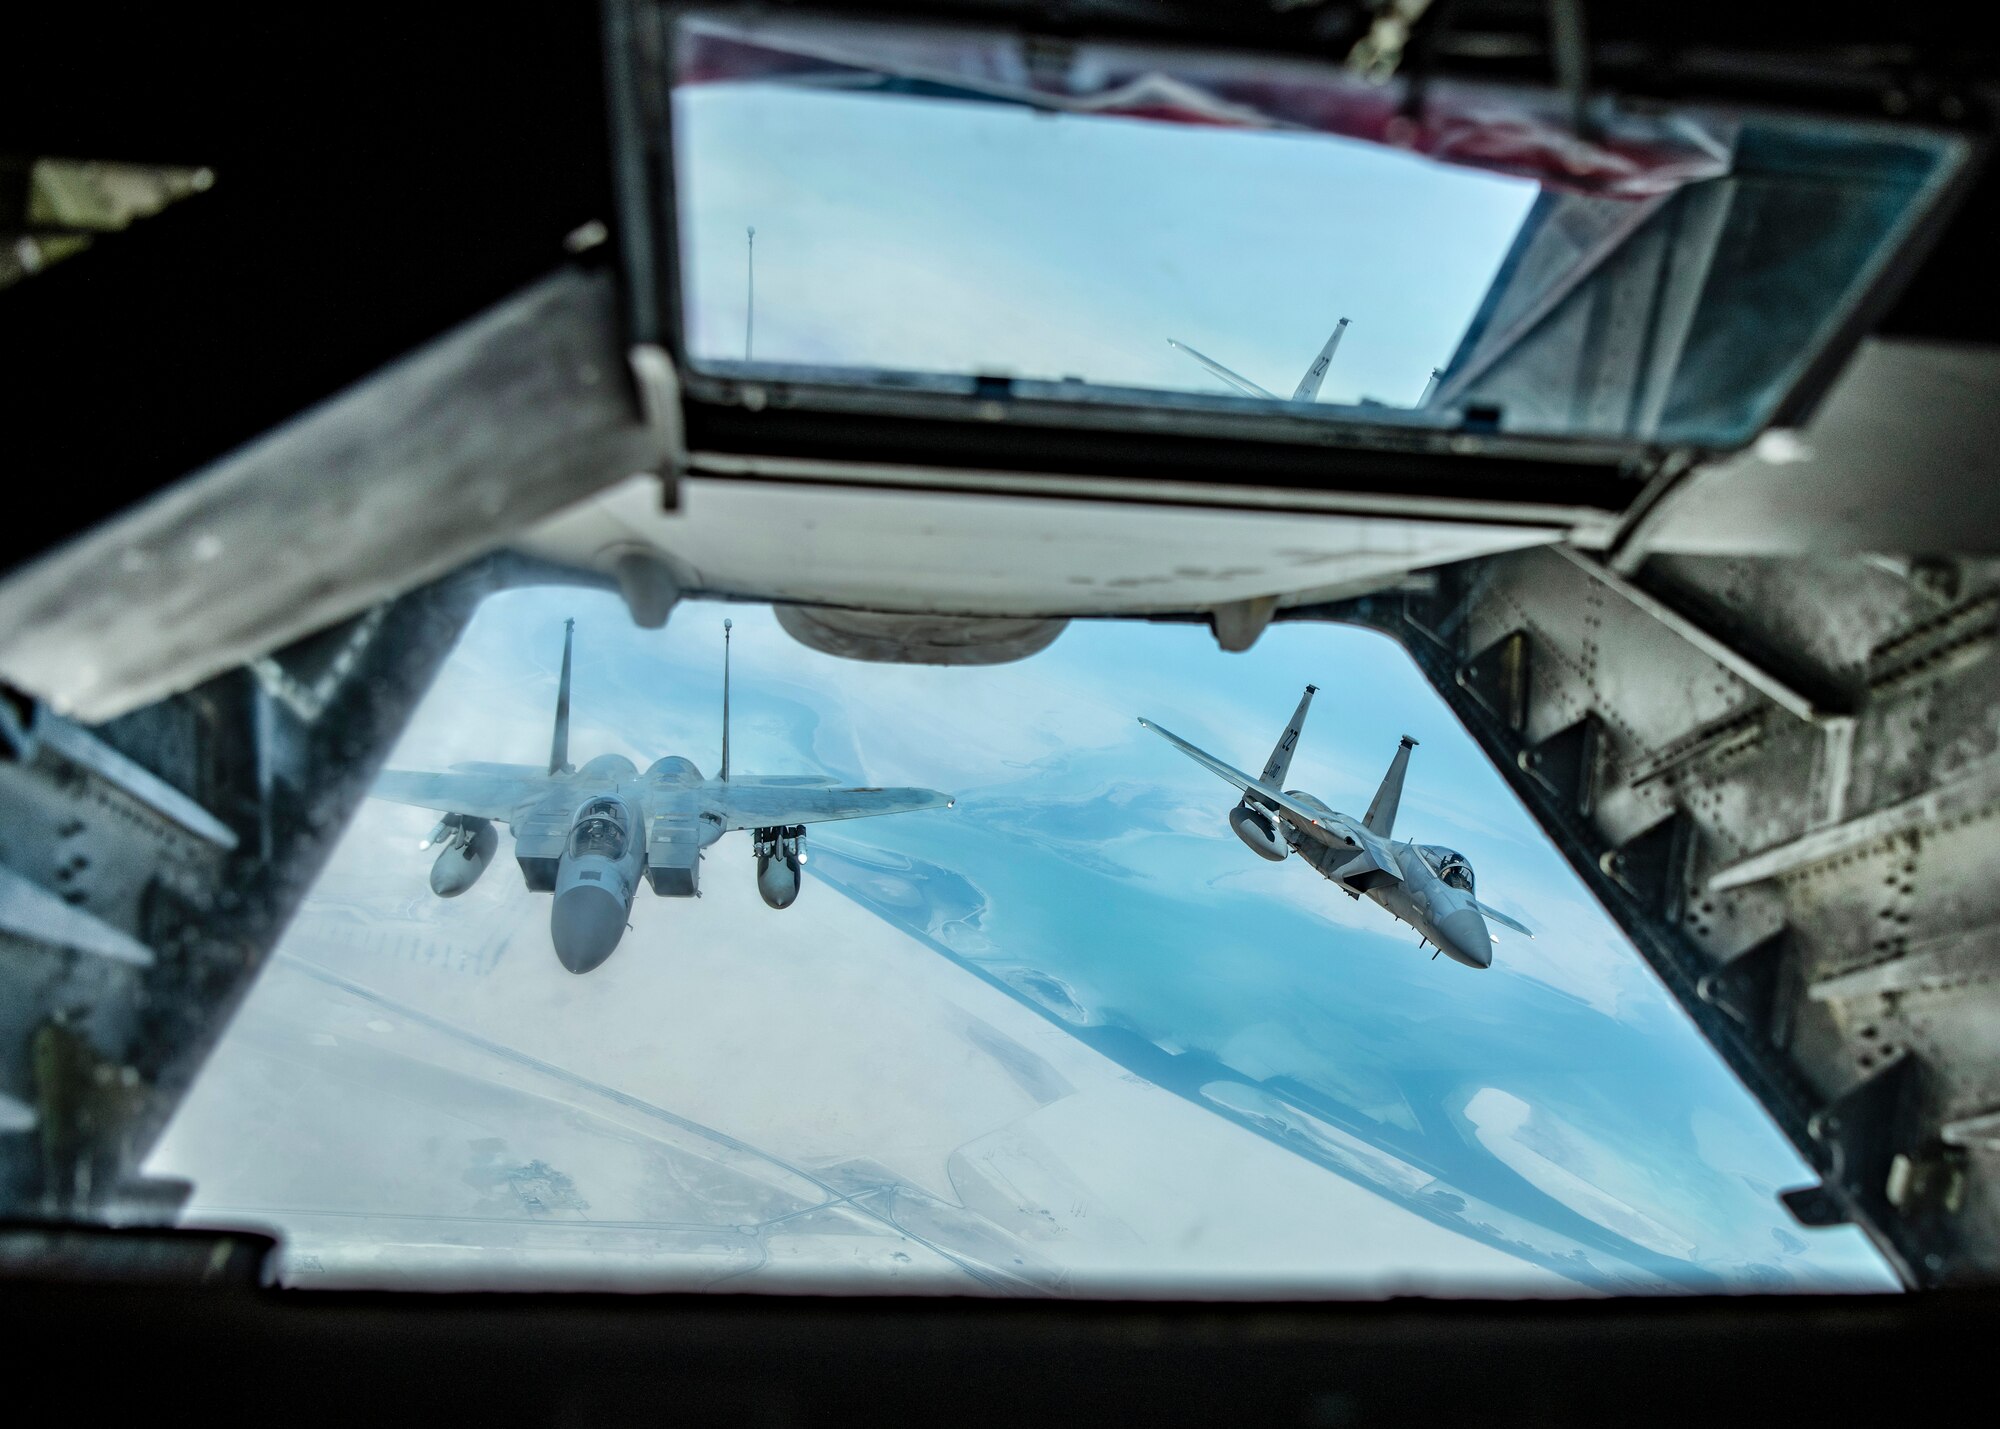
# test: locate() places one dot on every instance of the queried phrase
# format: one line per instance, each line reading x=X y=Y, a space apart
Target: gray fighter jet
x=1423 y=885
x=590 y=835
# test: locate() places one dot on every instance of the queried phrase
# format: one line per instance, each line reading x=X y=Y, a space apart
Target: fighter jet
x=1423 y=885
x=590 y=835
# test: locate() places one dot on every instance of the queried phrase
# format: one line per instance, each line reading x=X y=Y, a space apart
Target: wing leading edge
x=498 y=791
x=491 y=792
x=1304 y=819
x=746 y=805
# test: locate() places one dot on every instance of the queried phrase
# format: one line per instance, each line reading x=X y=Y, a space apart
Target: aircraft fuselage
x=1395 y=877
x=597 y=877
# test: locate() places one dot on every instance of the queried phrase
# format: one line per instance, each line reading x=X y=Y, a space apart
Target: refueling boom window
x=602 y=830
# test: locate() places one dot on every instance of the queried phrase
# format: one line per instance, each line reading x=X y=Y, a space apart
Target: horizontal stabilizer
x=1502 y=919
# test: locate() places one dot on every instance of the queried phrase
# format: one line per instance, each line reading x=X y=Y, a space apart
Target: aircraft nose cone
x=1467 y=940
x=586 y=924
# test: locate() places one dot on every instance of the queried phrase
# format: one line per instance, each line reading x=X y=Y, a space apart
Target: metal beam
x=1981 y=1131
x=85 y=750
x=1930 y=965
x=438 y=459
x=29 y=911
x=1710 y=644
x=1975 y=790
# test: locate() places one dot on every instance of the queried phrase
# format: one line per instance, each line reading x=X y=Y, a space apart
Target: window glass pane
x=1067 y=1035
x=1119 y=226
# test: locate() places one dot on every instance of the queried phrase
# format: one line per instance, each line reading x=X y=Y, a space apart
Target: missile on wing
x=466 y=852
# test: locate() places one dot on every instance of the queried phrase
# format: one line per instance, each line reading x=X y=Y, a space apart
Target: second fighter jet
x=1423 y=885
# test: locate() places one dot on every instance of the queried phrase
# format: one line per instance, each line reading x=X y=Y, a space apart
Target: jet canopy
x=1449 y=865
x=603 y=830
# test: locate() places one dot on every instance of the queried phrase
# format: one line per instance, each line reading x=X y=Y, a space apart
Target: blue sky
x=1567 y=1106
x=937 y=235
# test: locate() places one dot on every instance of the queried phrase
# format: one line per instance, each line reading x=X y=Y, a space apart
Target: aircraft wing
x=490 y=791
x=1502 y=919
x=749 y=805
x=782 y=781
x=1234 y=379
x=1305 y=820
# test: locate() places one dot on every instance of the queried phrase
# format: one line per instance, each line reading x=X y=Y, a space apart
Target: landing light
x=423 y=843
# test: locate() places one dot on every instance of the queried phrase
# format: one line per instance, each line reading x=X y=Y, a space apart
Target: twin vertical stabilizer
x=1381 y=818
x=1280 y=762
x=559 y=746
x=1308 y=388
x=725 y=701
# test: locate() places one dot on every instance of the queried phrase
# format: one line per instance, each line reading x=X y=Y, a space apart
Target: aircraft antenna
x=1430 y=387
x=725 y=694
x=749 y=308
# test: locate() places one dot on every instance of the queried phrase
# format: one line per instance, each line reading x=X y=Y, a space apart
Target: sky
x=1551 y=1125
x=945 y=236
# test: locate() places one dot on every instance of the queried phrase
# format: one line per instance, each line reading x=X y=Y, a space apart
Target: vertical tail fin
x=1280 y=762
x=725 y=700
x=1381 y=819
x=1308 y=388
x=559 y=746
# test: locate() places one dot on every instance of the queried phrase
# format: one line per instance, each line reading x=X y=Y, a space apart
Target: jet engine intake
x=468 y=846
x=780 y=850
x=1255 y=828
